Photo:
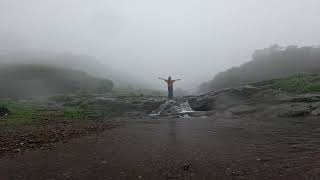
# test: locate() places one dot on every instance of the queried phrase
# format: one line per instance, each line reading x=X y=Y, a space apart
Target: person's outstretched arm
x=162 y=78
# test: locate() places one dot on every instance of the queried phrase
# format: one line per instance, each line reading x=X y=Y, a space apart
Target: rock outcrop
x=250 y=100
x=240 y=101
x=4 y=111
x=296 y=110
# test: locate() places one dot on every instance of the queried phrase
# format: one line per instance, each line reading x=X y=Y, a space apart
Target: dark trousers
x=170 y=92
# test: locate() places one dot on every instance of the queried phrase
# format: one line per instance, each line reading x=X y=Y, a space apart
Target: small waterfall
x=173 y=107
x=185 y=107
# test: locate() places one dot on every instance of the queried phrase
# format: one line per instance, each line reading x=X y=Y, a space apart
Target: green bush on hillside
x=302 y=83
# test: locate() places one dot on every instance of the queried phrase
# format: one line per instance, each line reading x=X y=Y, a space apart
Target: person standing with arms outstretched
x=170 y=82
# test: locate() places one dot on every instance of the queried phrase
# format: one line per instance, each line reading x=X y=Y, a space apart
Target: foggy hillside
x=187 y=39
x=268 y=63
x=81 y=62
x=39 y=80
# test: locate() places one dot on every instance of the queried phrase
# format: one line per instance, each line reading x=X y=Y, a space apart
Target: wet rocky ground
x=19 y=139
x=238 y=133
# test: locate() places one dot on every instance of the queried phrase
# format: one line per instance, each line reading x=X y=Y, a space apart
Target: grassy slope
x=32 y=112
x=301 y=83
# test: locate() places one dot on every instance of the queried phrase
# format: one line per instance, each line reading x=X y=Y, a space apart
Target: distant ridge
x=19 y=81
x=268 y=63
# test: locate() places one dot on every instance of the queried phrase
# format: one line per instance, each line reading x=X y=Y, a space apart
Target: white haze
x=188 y=39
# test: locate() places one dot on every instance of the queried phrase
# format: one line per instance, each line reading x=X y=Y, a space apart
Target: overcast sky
x=188 y=39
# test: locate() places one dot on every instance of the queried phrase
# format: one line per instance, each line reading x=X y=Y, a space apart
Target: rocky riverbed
x=248 y=132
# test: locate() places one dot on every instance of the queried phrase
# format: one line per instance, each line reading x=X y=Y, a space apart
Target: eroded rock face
x=202 y=103
x=259 y=101
x=296 y=110
x=316 y=110
x=4 y=111
x=222 y=99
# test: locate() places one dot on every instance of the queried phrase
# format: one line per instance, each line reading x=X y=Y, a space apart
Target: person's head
x=169 y=78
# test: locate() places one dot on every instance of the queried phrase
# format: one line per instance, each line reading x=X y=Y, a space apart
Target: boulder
x=4 y=111
x=149 y=106
x=223 y=99
x=202 y=103
x=316 y=112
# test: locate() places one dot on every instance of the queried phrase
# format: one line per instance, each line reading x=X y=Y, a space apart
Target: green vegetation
x=301 y=83
x=22 y=112
x=30 y=112
x=269 y=63
x=73 y=113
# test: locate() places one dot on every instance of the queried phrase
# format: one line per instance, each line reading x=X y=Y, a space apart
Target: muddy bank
x=18 y=139
x=181 y=148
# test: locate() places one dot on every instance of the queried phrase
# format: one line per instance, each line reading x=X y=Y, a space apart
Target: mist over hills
x=268 y=63
x=81 y=62
x=20 y=81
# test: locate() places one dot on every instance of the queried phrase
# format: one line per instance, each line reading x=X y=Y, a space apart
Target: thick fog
x=187 y=39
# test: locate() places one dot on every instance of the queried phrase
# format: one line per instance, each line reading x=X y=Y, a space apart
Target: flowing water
x=173 y=107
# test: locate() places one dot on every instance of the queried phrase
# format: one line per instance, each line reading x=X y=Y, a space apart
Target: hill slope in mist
x=268 y=63
x=39 y=80
x=81 y=62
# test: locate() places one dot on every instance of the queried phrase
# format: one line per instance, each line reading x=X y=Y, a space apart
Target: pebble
x=104 y=162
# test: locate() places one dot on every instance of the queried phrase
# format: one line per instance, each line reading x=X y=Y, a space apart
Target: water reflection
x=173 y=132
